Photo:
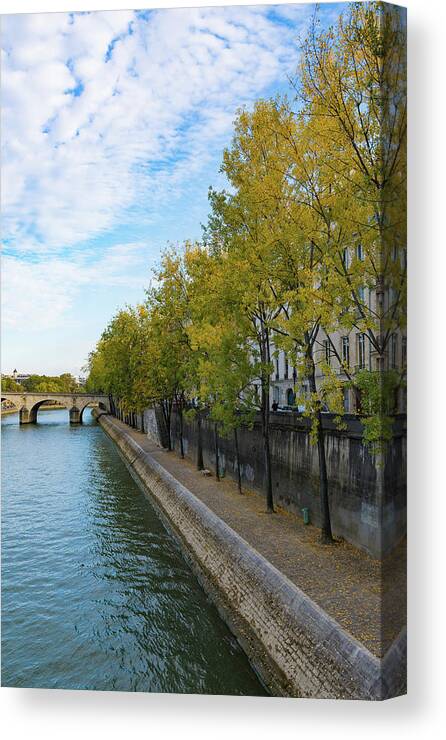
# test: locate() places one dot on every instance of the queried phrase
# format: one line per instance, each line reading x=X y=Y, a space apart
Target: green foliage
x=313 y=218
x=113 y=364
x=64 y=383
x=378 y=400
x=9 y=384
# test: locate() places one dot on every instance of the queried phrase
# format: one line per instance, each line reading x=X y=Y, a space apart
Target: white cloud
x=38 y=296
x=157 y=99
x=103 y=115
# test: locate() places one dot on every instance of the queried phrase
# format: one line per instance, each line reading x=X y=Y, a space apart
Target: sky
x=114 y=124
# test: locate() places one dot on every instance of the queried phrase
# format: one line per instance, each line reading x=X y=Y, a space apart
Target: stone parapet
x=367 y=493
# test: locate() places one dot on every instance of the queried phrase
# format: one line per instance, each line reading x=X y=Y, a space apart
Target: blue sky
x=113 y=129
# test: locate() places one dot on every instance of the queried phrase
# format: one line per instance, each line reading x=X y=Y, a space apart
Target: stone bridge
x=28 y=404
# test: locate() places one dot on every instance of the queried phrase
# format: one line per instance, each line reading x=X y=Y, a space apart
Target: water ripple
x=95 y=594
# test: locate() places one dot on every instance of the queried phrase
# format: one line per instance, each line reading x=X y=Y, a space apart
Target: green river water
x=95 y=592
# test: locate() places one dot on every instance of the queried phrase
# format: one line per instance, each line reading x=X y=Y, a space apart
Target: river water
x=95 y=593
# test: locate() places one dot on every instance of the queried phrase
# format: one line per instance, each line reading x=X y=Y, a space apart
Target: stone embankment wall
x=295 y=646
x=367 y=495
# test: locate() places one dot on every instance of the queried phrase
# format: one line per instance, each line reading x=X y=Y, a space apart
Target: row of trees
x=314 y=215
x=64 y=383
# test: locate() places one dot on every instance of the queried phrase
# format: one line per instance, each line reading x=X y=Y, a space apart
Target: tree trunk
x=265 y=356
x=326 y=534
x=200 y=463
x=180 y=414
x=217 y=460
x=239 y=473
x=169 y=430
x=268 y=475
x=167 y=416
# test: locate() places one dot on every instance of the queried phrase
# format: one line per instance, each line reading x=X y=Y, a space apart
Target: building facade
x=349 y=352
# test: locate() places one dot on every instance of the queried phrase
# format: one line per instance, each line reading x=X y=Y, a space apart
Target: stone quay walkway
x=366 y=597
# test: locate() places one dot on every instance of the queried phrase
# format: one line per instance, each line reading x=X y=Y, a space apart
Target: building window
x=286 y=366
x=403 y=351
x=276 y=394
x=345 y=258
x=360 y=252
x=277 y=368
x=346 y=399
x=361 y=294
x=393 y=350
x=327 y=351
x=360 y=350
x=290 y=397
x=346 y=351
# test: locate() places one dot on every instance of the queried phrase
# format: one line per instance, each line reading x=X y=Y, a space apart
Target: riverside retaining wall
x=367 y=494
x=295 y=646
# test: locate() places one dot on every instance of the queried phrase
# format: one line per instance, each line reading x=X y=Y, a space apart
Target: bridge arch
x=33 y=410
x=92 y=404
x=29 y=403
x=15 y=402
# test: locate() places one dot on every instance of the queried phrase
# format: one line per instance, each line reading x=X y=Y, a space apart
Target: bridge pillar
x=75 y=415
x=25 y=416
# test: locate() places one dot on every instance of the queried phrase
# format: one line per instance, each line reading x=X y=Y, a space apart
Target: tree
x=9 y=384
x=329 y=182
x=237 y=235
x=167 y=366
x=353 y=95
x=111 y=364
x=309 y=240
x=225 y=368
x=67 y=383
x=353 y=90
x=295 y=282
x=64 y=383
